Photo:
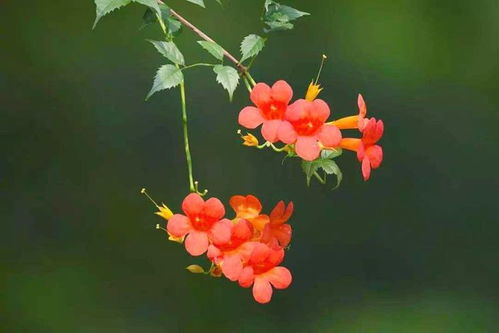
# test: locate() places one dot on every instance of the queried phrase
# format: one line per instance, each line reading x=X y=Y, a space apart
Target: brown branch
x=204 y=36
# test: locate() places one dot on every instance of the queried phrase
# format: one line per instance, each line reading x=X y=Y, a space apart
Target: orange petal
x=350 y=144
x=350 y=122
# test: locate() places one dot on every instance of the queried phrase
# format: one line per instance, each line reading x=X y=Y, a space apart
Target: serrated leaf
x=103 y=7
x=331 y=153
x=228 y=77
x=251 y=46
x=291 y=13
x=278 y=17
x=331 y=168
x=170 y=51
x=309 y=167
x=174 y=25
x=197 y=2
x=150 y=17
x=168 y=76
x=213 y=48
x=151 y=4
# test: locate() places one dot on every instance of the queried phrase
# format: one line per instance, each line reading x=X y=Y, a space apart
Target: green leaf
x=150 y=17
x=251 y=46
x=170 y=51
x=151 y=4
x=331 y=153
x=103 y=7
x=197 y=2
x=228 y=77
x=213 y=48
x=309 y=167
x=168 y=76
x=279 y=17
x=331 y=168
x=291 y=12
x=174 y=25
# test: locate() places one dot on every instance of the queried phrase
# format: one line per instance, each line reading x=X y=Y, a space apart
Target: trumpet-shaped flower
x=201 y=223
x=249 y=208
x=306 y=128
x=271 y=104
x=277 y=231
x=231 y=255
x=358 y=121
x=368 y=152
x=262 y=271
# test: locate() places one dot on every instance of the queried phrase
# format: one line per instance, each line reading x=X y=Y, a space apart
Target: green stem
x=247 y=84
x=250 y=78
x=197 y=65
x=186 y=137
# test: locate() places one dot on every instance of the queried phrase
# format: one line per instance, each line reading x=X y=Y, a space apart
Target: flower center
x=262 y=267
x=274 y=110
x=201 y=223
x=307 y=126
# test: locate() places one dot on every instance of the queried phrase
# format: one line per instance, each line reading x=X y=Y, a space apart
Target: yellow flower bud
x=313 y=91
x=172 y=238
x=250 y=140
x=164 y=212
x=216 y=271
x=196 y=269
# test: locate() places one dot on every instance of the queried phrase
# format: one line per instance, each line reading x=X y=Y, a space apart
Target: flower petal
x=220 y=232
x=196 y=243
x=270 y=128
x=307 y=147
x=250 y=117
x=262 y=290
x=246 y=207
x=330 y=136
x=366 y=168
x=283 y=234
x=282 y=92
x=259 y=254
x=192 y=204
x=178 y=225
x=321 y=110
x=280 y=277
x=214 y=209
x=213 y=253
x=362 y=106
x=261 y=94
x=286 y=132
x=232 y=267
x=375 y=155
x=246 y=277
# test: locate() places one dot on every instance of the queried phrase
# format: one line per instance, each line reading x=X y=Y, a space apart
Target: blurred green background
x=413 y=250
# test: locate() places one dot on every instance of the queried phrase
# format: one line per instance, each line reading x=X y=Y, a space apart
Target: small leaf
x=197 y=2
x=151 y=4
x=228 y=77
x=174 y=25
x=331 y=168
x=170 y=51
x=251 y=46
x=168 y=76
x=278 y=17
x=291 y=12
x=213 y=48
x=331 y=153
x=103 y=7
x=150 y=17
x=309 y=167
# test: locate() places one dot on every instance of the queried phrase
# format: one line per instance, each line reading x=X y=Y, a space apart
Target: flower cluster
x=247 y=249
x=304 y=128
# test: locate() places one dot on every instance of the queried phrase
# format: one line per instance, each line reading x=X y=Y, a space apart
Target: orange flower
x=368 y=152
x=354 y=122
x=249 y=208
x=277 y=230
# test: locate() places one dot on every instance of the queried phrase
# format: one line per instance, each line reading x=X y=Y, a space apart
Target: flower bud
x=313 y=91
x=164 y=212
x=250 y=140
x=196 y=269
